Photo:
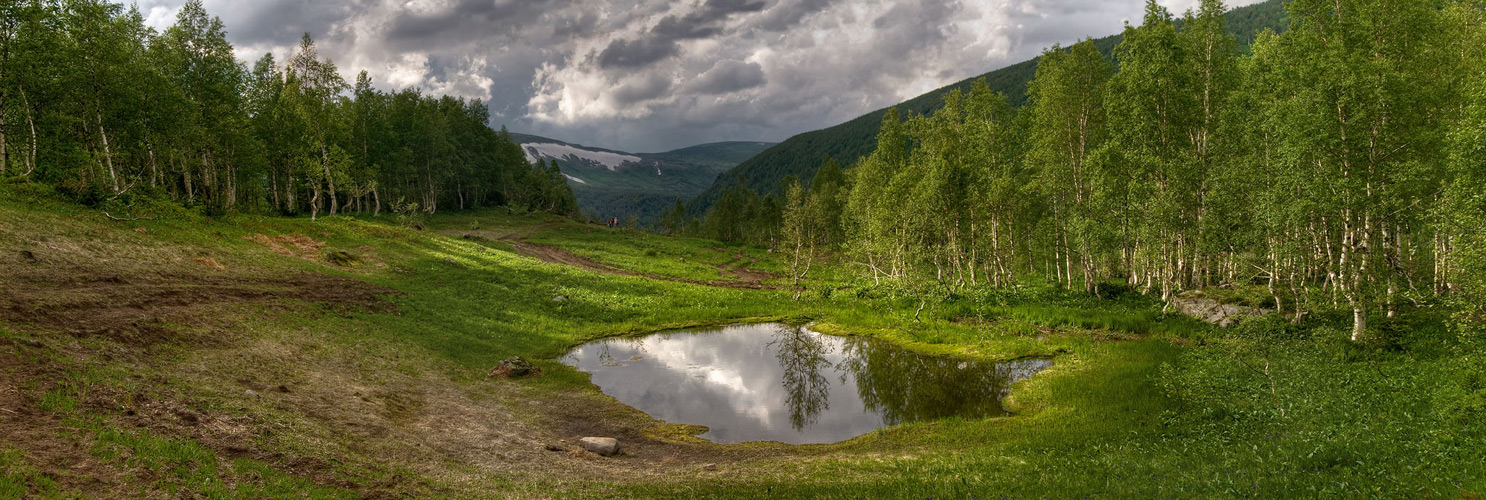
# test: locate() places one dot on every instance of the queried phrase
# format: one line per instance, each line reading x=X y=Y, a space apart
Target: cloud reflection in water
x=772 y=382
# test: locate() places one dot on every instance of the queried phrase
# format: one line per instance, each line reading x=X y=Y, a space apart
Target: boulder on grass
x=516 y=367
x=602 y=446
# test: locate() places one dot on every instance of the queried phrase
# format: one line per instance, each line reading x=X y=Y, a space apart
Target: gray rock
x=603 y=446
x=1212 y=311
x=560 y=299
x=513 y=368
x=253 y=393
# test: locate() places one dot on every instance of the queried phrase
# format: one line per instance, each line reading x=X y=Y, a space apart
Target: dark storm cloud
x=729 y=76
x=675 y=28
x=707 y=18
x=662 y=41
x=660 y=74
x=909 y=27
x=636 y=53
x=649 y=88
x=788 y=13
x=478 y=18
x=281 y=21
x=580 y=25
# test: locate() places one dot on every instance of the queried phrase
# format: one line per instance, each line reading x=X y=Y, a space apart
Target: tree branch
x=105 y=214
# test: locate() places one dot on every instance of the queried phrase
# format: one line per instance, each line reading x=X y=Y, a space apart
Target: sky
x=655 y=75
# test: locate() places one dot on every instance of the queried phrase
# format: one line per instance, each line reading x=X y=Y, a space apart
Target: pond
x=775 y=382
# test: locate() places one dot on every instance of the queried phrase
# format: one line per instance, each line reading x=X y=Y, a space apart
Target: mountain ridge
x=613 y=183
x=802 y=154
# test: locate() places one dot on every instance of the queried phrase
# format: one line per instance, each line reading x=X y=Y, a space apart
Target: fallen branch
x=105 y=214
x=1273 y=394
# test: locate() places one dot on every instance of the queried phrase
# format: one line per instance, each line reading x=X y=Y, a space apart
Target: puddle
x=774 y=382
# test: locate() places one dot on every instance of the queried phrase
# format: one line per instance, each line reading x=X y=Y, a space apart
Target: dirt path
x=748 y=279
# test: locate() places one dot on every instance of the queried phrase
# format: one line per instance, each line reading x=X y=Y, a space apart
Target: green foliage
x=802 y=154
x=675 y=221
x=741 y=216
x=1315 y=168
x=98 y=104
x=407 y=214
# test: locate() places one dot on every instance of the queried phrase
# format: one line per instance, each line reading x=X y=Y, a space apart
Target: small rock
x=602 y=446
x=560 y=299
x=254 y=394
x=514 y=368
x=709 y=467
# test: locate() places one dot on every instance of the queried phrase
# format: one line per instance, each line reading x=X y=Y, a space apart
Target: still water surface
x=774 y=382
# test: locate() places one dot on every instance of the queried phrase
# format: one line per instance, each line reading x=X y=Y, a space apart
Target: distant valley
x=611 y=183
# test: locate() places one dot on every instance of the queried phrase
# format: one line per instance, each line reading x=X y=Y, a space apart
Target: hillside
x=611 y=183
x=275 y=357
x=802 y=154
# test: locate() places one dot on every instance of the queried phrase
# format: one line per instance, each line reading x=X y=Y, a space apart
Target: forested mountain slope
x=802 y=154
x=611 y=183
x=112 y=112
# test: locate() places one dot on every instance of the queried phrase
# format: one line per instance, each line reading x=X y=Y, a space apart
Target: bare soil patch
x=34 y=432
x=297 y=245
x=140 y=308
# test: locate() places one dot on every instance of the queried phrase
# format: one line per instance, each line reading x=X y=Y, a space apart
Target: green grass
x=179 y=466
x=686 y=258
x=1138 y=404
x=18 y=479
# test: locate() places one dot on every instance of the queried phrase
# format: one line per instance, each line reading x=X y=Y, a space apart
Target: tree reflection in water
x=770 y=382
x=903 y=386
x=802 y=355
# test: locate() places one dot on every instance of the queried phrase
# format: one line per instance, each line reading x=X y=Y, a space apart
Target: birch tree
x=1066 y=101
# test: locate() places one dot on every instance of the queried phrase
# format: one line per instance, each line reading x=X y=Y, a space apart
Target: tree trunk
x=108 y=157
x=31 y=123
x=315 y=203
x=329 y=179
x=154 y=167
x=190 y=192
x=4 y=153
x=1359 y=320
x=230 y=199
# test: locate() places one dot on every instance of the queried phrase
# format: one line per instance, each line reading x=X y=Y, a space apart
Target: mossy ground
x=253 y=356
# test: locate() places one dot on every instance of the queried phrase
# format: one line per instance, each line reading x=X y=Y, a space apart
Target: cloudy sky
x=653 y=75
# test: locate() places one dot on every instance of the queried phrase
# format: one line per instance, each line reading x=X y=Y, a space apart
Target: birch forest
x=107 y=109
x=1340 y=164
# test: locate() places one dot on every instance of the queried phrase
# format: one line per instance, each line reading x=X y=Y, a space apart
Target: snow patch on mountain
x=612 y=161
x=575 y=179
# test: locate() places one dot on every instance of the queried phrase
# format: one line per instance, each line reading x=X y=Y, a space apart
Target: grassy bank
x=248 y=356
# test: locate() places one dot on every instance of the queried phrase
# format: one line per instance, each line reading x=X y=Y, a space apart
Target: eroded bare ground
x=207 y=359
x=748 y=279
